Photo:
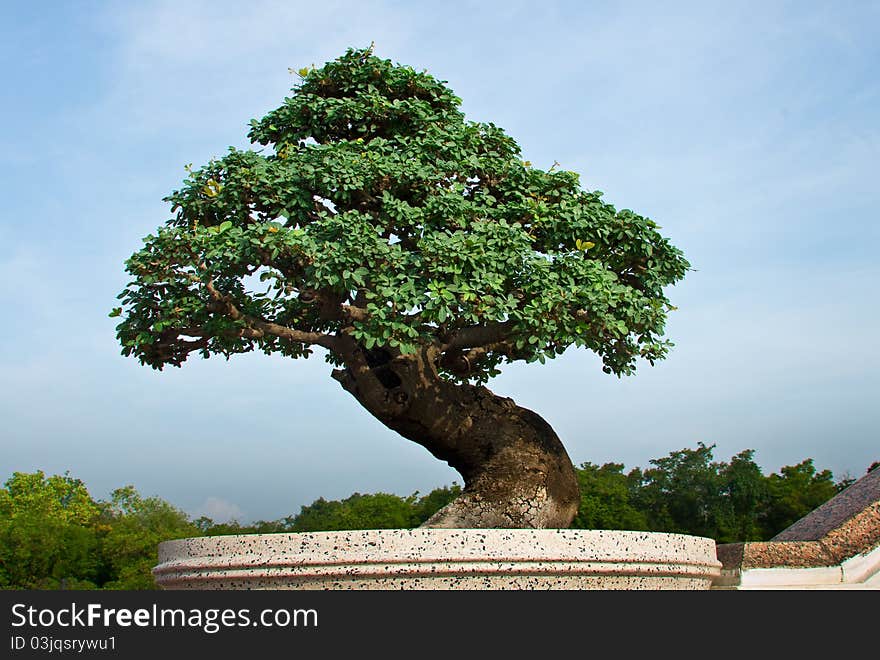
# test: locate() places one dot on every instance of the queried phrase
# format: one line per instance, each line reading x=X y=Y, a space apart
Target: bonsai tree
x=421 y=253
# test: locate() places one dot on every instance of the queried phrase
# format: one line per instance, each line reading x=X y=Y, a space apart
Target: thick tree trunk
x=516 y=472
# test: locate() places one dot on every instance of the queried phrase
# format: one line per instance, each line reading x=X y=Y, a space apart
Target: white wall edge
x=761 y=578
x=859 y=572
x=862 y=568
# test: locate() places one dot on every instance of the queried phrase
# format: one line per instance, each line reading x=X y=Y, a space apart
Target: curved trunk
x=516 y=472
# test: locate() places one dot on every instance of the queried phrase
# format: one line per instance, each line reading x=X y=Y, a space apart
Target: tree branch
x=257 y=328
x=478 y=335
x=354 y=313
x=461 y=363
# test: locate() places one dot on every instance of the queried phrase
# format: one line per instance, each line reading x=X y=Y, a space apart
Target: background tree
x=607 y=499
x=375 y=511
x=209 y=528
x=137 y=526
x=688 y=492
x=49 y=530
x=425 y=507
x=744 y=498
x=420 y=252
x=681 y=492
x=793 y=492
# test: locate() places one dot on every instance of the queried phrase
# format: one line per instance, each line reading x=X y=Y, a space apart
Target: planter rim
x=426 y=558
x=425 y=545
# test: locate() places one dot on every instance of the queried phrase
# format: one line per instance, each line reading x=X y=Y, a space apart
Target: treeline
x=687 y=492
x=54 y=535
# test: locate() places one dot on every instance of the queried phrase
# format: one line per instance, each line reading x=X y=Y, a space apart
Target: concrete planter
x=440 y=559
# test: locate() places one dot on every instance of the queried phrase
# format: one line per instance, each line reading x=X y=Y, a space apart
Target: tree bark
x=516 y=472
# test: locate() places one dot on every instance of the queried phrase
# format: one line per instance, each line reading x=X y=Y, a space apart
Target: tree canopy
x=688 y=492
x=45 y=533
x=372 y=511
x=376 y=215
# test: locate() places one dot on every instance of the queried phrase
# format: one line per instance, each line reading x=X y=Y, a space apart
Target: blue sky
x=748 y=130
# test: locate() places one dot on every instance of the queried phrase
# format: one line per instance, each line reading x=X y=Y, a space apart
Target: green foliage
x=687 y=492
x=210 y=528
x=795 y=491
x=47 y=533
x=377 y=211
x=370 y=511
x=376 y=511
x=137 y=526
x=427 y=505
x=53 y=535
x=607 y=499
x=744 y=500
x=680 y=492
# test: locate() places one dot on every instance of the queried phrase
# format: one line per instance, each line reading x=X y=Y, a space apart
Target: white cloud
x=219 y=510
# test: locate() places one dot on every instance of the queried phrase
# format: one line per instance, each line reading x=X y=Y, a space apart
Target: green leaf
x=212 y=188
x=373 y=185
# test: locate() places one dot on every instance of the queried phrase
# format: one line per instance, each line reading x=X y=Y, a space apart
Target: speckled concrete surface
x=440 y=559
